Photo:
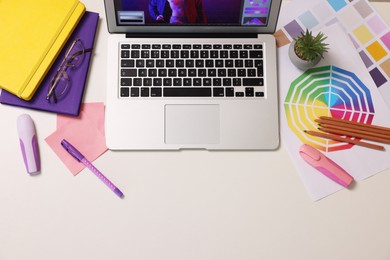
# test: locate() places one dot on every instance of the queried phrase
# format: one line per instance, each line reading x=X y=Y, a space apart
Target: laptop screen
x=192 y=12
x=184 y=15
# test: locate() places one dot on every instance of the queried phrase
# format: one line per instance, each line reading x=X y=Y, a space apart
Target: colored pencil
x=354 y=134
x=355 y=131
x=354 y=125
x=344 y=140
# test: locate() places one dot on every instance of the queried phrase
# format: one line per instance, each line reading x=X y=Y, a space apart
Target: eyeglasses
x=60 y=83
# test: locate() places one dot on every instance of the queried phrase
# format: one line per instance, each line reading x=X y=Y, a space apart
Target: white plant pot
x=298 y=62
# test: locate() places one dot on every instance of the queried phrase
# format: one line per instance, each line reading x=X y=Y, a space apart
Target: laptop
x=192 y=74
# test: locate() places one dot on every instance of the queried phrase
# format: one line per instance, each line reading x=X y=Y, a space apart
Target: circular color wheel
x=326 y=91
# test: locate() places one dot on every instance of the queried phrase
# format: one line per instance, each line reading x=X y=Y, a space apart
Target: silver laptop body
x=204 y=116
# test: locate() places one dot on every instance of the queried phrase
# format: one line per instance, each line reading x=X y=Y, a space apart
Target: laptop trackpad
x=192 y=124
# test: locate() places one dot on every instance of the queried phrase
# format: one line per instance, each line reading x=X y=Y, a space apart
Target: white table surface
x=179 y=205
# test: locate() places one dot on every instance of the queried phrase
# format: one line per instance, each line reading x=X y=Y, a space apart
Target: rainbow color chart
x=326 y=91
x=366 y=28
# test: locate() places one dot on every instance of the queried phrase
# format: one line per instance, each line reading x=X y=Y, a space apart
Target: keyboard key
x=187 y=82
x=249 y=92
x=211 y=72
x=218 y=92
x=140 y=63
x=241 y=72
x=165 y=54
x=160 y=63
x=255 y=54
x=252 y=72
x=182 y=73
x=144 y=92
x=152 y=73
x=197 y=82
x=155 y=54
x=137 y=82
x=162 y=72
x=190 y=63
x=128 y=72
x=214 y=54
x=217 y=82
x=145 y=54
x=177 y=82
x=236 y=82
x=187 y=92
x=199 y=63
x=243 y=54
x=134 y=92
x=192 y=73
x=148 y=82
x=233 y=54
x=127 y=63
x=172 y=72
x=194 y=54
x=125 y=81
x=175 y=54
x=227 y=82
x=142 y=72
x=125 y=92
x=184 y=54
x=150 y=63
x=180 y=63
x=167 y=82
x=125 y=54
x=229 y=92
x=252 y=82
x=155 y=92
x=157 y=82
x=202 y=72
x=135 y=54
x=206 y=82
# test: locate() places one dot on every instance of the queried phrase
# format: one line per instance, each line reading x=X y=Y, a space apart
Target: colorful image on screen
x=192 y=12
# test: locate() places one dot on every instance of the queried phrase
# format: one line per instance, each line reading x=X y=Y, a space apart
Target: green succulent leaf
x=309 y=47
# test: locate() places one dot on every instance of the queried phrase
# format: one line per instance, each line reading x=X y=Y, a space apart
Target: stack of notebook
x=35 y=47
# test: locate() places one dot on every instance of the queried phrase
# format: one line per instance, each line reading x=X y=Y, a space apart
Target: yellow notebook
x=32 y=33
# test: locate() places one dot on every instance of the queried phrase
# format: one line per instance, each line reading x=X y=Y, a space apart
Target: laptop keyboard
x=191 y=70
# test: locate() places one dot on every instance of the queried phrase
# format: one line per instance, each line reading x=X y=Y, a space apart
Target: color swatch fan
x=326 y=91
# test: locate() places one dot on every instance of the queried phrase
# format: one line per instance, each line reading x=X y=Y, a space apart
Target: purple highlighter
x=28 y=143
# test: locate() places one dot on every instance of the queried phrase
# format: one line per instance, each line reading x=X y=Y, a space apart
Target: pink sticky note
x=94 y=111
x=84 y=133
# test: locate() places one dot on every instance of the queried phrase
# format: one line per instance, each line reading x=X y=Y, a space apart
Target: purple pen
x=81 y=158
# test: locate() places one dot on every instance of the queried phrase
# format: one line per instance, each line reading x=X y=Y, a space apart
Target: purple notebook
x=71 y=101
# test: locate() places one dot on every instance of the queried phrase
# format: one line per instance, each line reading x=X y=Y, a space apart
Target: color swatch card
x=366 y=29
x=339 y=87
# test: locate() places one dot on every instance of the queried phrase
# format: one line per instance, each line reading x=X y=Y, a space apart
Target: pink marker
x=325 y=165
x=28 y=143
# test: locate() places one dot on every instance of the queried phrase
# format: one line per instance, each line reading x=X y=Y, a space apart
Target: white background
x=179 y=205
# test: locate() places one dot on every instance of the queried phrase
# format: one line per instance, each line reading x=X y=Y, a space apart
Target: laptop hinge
x=191 y=35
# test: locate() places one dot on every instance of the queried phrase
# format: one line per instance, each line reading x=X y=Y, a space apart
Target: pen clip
x=71 y=150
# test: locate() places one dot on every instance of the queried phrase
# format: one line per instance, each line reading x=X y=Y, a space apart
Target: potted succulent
x=307 y=50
